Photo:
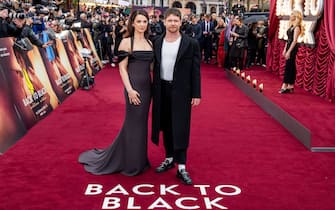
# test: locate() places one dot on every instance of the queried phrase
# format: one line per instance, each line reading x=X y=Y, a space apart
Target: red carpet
x=233 y=142
x=314 y=112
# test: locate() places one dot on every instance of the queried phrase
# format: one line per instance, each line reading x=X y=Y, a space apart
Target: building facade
x=203 y=6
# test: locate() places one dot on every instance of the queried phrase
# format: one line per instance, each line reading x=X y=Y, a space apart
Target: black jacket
x=185 y=86
x=6 y=29
x=26 y=31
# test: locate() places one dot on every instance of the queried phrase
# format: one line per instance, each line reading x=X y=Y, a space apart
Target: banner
x=73 y=55
x=34 y=81
x=11 y=126
x=80 y=42
x=59 y=70
x=89 y=44
x=33 y=94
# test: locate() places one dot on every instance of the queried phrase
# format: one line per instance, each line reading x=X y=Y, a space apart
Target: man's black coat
x=185 y=86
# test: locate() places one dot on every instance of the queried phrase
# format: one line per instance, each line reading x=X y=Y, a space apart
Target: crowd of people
x=135 y=42
x=164 y=45
x=224 y=40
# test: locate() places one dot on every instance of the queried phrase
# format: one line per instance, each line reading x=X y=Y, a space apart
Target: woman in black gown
x=128 y=152
x=290 y=52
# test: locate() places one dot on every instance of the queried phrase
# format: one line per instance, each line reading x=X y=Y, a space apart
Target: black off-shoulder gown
x=128 y=152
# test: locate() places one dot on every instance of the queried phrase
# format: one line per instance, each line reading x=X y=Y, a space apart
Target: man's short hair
x=172 y=11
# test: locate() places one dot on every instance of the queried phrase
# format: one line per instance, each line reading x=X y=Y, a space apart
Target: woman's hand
x=287 y=55
x=195 y=101
x=284 y=53
x=134 y=97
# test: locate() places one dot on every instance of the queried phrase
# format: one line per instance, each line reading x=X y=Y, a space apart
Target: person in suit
x=207 y=39
x=176 y=88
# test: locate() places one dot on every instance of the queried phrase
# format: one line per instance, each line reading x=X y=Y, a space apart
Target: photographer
x=85 y=22
x=3 y=22
x=39 y=13
x=6 y=29
x=25 y=31
x=154 y=28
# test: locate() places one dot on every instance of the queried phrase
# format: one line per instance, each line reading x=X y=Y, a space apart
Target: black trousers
x=179 y=156
x=290 y=69
x=207 y=46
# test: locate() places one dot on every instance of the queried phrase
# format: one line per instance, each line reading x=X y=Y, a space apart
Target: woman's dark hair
x=131 y=20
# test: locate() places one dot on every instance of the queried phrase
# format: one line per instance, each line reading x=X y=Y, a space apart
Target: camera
x=6 y=5
x=2 y=7
x=42 y=12
x=14 y=15
x=76 y=26
x=85 y=53
x=64 y=23
x=53 y=7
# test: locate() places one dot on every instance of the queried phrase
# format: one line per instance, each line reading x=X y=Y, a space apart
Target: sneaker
x=184 y=177
x=164 y=166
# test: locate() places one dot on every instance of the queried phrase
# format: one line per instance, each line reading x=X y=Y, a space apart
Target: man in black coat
x=25 y=31
x=6 y=29
x=176 y=88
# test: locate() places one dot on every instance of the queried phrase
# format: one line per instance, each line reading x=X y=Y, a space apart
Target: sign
x=311 y=9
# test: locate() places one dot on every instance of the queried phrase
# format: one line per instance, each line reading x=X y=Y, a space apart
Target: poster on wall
x=76 y=37
x=59 y=70
x=11 y=126
x=32 y=92
x=72 y=53
x=82 y=44
x=89 y=44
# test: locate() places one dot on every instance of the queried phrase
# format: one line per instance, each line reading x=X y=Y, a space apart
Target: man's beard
x=173 y=30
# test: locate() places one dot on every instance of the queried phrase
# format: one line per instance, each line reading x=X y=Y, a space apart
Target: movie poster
x=11 y=126
x=76 y=61
x=89 y=44
x=79 y=42
x=59 y=70
x=32 y=92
